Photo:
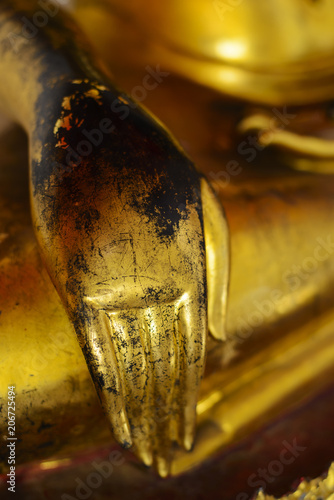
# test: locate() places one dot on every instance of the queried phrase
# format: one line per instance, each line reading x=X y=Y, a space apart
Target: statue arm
x=118 y=215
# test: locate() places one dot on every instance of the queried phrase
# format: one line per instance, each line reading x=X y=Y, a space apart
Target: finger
x=160 y=321
x=98 y=348
x=216 y=234
x=132 y=353
x=192 y=331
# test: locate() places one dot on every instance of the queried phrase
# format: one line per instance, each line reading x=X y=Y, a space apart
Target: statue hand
x=121 y=232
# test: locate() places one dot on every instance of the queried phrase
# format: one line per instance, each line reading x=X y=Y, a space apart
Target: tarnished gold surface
x=247 y=382
x=121 y=236
x=278 y=325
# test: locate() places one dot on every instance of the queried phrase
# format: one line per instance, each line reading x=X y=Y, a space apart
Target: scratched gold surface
x=248 y=379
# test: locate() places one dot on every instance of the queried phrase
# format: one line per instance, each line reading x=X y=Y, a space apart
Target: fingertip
x=188 y=441
x=217 y=329
x=144 y=451
x=121 y=430
x=163 y=466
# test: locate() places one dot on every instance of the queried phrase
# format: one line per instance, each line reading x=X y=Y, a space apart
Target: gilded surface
x=142 y=256
x=317 y=489
x=241 y=48
x=121 y=234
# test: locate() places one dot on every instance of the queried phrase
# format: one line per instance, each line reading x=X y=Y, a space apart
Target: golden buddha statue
x=131 y=248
